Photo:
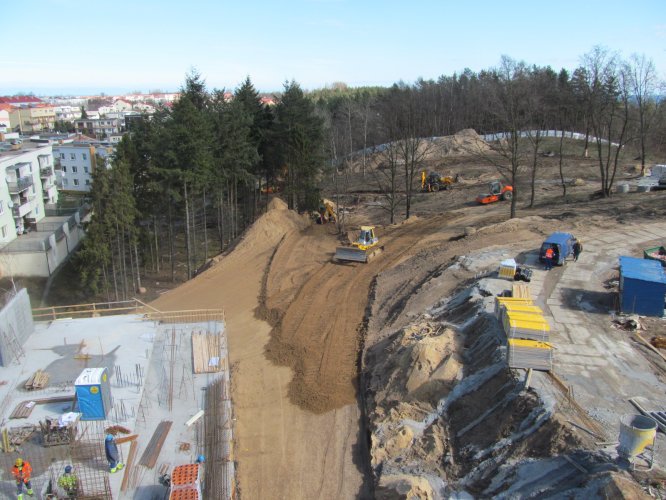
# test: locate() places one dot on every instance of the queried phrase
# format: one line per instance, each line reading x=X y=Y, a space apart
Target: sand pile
x=465 y=142
x=268 y=230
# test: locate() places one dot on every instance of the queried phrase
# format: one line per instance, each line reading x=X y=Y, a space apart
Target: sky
x=87 y=47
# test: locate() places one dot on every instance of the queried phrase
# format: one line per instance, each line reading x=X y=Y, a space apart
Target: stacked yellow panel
x=530 y=354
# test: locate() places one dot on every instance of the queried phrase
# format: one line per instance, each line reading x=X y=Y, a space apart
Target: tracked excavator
x=361 y=250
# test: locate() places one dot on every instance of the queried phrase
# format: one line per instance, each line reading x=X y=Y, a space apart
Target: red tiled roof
x=20 y=99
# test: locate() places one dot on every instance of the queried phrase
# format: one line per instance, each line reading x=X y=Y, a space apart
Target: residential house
x=4 y=118
x=99 y=127
x=67 y=113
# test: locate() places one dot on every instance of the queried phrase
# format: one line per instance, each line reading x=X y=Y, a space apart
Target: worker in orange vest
x=549 y=256
x=21 y=472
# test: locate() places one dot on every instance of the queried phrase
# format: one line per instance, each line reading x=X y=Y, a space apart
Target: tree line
x=187 y=182
x=615 y=102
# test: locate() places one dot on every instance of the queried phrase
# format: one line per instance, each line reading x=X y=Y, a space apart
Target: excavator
x=434 y=182
x=326 y=213
x=363 y=249
x=498 y=192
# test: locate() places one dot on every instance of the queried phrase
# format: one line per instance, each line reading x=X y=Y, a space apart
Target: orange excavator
x=498 y=192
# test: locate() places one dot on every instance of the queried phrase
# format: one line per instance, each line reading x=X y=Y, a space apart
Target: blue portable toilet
x=642 y=286
x=93 y=393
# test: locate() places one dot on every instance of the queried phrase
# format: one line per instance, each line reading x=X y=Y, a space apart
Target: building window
x=62 y=156
x=4 y=231
x=85 y=156
x=64 y=169
x=64 y=182
x=76 y=182
x=86 y=170
x=2 y=207
x=74 y=170
x=87 y=182
x=36 y=209
x=72 y=156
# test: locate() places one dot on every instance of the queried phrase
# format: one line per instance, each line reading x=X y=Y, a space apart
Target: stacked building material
x=525 y=325
x=507 y=269
x=500 y=301
x=530 y=354
x=520 y=291
x=527 y=332
x=185 y=483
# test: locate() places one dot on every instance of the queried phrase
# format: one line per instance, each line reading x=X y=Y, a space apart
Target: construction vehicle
x=498 y=192
x=325 y=213
x=363 y=249
x=434 y=182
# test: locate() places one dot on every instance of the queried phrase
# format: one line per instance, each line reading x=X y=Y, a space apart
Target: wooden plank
x=205 y=346
x=129 y=465
x=152 y=451
x=126 y=439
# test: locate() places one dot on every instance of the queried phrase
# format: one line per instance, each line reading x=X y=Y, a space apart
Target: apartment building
x=28 y=119
x=21 y=194
x=67 y=113
x=99 y=127
x=33 y=242
x=75 y=164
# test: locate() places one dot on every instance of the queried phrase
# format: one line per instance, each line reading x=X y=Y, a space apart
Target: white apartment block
x=21 y=194
x=67 y=113
x=75 y=164
x=33 y=243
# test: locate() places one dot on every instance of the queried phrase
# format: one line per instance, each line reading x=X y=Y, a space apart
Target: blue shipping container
x=93 y=393
x=642 y=287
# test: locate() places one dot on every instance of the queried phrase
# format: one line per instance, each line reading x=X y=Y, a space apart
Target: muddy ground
x=313 y=344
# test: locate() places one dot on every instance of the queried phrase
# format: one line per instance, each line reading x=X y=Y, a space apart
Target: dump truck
x=361 y=250
x=498 y=192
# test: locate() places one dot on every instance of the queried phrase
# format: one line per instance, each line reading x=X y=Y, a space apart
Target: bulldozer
x=363 y=249
x=498 y=192
x=435 y=182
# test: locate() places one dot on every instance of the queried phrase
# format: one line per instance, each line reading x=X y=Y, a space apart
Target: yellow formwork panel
x=534 y=344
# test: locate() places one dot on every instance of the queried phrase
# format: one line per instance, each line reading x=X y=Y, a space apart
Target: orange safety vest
x=549 y=253
x=23 y=473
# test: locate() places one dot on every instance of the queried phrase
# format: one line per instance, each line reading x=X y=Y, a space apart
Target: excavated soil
x=297 y=324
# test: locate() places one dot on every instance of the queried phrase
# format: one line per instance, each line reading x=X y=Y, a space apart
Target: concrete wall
x=43 y=263
x=16 y=325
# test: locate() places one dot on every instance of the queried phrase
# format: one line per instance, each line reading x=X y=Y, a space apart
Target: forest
x=187 y=181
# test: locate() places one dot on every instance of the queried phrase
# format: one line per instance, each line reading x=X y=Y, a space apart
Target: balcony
x=22 y=210
x=46 y=171
x=22 y=184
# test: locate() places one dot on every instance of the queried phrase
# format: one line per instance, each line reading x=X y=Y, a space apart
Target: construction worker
x=69 y=482
x=549 y=256
x=423 y=180
x=112 y=455
x=577 y=249
x=21 y=472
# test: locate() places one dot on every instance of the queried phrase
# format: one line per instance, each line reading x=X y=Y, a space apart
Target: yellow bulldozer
x=361 y=250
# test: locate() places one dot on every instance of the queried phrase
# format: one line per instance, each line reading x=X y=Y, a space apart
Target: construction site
x=448 y=355
x=158 y=383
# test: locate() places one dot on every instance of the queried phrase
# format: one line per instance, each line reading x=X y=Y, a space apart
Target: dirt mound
x=442 y=403
x=268 y=229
